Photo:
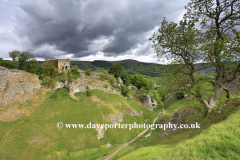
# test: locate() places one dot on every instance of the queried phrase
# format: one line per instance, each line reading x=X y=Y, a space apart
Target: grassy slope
x=37 y=137
x=219 y=141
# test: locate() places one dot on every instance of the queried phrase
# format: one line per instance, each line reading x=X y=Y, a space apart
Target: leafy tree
x=14 y=55
x=9 y=64
x=32 y=66
x=116 y=70
x=126 y=78
x=216 y=44
x=23 y=58
x=73 y=74
x=48 y=66
x=49 y=81
x=139 y=81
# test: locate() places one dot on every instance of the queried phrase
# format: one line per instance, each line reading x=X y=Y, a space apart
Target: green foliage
x=105 y=72
x=216 y=44
x=49 y=82
x=14 y=55
x=105 y=86
x=48 y=66
x=103 y=77
x=62 y=77
x=112 y=81
x=140 y=82
x=116 y=70
x=88 y=92
x=160 y=104
x=142 y=94
x=180 y=94
x=23 y=58
x=124 y=91
x=9 y=64
x=88 y=72
x=126 y=78
x=32 y=66
x=73 y=74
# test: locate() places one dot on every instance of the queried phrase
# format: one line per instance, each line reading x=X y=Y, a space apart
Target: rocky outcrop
x=179 y=116
x=115 y=118
x=171 y=98
x=133 y=88
x=17 y=86
x=149 y=104
x=93 y=82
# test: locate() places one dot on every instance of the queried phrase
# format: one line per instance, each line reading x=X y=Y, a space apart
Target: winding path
x=125 y=144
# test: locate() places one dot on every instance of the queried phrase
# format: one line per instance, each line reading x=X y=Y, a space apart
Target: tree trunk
x=213 y=98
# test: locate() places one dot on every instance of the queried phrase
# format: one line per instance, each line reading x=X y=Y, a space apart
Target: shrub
x=124 y=91
x=62 y=77
x=105 y=72
x=9 y=64
x=103 y=77
x=142 y=94
x=112 y=81
x=49 y=81
x=88 y=92
x=105 y=86
x=88 y=72
x=160 y=104
x=180 y=94
x=139 y=81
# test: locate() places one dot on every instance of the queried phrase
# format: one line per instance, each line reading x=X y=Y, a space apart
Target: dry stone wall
x=17 y=86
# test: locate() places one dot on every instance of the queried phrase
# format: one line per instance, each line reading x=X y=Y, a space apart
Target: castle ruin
x=62 y=64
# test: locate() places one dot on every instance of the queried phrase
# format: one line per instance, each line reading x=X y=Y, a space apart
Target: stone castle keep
x=62 y=64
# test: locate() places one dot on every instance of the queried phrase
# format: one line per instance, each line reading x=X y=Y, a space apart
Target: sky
x=85 y=30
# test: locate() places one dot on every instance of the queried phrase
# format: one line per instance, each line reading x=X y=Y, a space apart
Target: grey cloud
x=72 y=25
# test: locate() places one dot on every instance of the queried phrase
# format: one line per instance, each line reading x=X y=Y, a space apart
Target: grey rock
x=148 y=103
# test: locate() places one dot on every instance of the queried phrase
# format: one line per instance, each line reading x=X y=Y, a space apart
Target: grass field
x=37 y=137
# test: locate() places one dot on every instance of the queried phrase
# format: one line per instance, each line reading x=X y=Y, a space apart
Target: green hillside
x=37 y=137
x=215 y=141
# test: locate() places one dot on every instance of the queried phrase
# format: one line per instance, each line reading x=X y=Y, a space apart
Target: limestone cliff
x=16 y=86
x=92 y=81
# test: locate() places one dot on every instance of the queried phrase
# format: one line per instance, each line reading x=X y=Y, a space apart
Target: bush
x=103 y=77
x=88 y=92
x=105 y=72
x=9 y=64
x=139 y=81
x=88 y=72
x=180 y=94
x=105 y=86
x=49 y=82
x=112 y=81
x=124 y=91
x=142 y=94
x=160 y=104
x=62 y=77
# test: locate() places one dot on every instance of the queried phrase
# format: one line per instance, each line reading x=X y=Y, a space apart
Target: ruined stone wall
x=63 y=64
x=16 y=86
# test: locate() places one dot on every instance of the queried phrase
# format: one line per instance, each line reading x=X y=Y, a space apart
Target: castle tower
x=62 y=64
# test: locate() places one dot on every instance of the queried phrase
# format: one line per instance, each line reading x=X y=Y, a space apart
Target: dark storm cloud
x=71 y=26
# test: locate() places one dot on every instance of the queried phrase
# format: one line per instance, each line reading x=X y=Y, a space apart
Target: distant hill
x=129 y=65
